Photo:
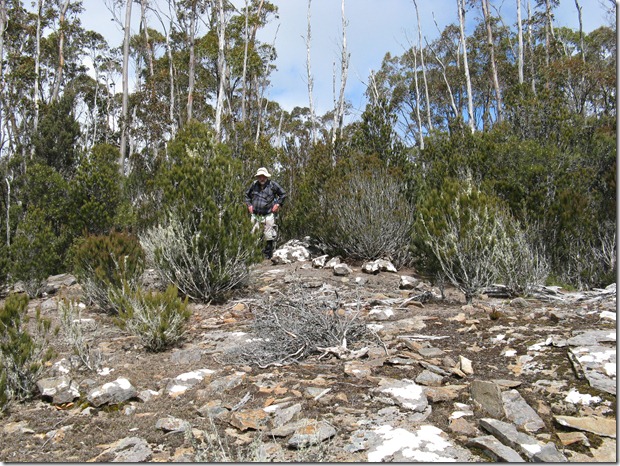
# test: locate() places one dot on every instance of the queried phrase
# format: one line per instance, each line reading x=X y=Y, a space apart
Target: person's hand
x=250 y=209
x=275 y=208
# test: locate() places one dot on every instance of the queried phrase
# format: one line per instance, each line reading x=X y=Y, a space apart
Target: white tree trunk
x=192 y=62
x=37 y=67
x=581 y=45
x=221 y=68
x=61 y=50
x=470 y=98
x=520 y=35
x=3 y=26
x=147 y=39
x=428 y=100
x=498 y=93
x=310 y=81
x=530 y=45
x=344 y=71
x=125 y=101
x=417 y=99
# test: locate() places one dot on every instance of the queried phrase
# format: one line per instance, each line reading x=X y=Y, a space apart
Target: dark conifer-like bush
x=107 y=263
x=34 y=251
x=470 y=233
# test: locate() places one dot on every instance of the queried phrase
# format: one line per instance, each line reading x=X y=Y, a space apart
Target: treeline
x=504 y=169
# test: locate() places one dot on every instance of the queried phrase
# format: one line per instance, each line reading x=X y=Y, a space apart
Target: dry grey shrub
x=592 y=261
x=71 y=324
x=371 y=219
x=198 y=273
x=290 y=328
x=522 y=260
x=213 y=446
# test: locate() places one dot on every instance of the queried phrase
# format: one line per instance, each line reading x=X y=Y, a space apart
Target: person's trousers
x=267 y=223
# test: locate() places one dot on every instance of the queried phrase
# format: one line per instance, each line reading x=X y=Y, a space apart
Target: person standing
x=264 y=198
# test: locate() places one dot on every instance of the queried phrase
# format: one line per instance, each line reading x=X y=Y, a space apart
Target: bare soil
x=66 y=433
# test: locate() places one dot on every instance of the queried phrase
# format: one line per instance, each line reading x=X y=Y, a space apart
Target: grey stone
x=520 y=413
x=495 y=449
x=342 y=270
x=313 y=433
x=408 y=283
x=434 y=368
x=285 y=415
x=429 y=378
x=112 y=393
x=431 y=352
x=523 y=443
x=127 y=450
x=405 y=393
x=319 y=262
x=489 y=396
x=183 y=382
x=172 y=424
x=593 y=338
x=595 y=424
x=60 y=389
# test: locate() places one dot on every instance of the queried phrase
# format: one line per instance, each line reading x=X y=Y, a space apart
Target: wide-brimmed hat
x=262 y=171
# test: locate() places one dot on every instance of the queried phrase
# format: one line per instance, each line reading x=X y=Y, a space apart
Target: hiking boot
x=268 y=251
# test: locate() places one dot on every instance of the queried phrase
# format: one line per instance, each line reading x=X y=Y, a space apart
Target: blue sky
x=375 y=27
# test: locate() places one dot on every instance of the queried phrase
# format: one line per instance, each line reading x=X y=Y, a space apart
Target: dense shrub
x=157 y=318
x=34 y=252
x=470 y=234
x=368 y=217
x=96 y=192
x=104 y=263
x=203 y=243
x=202 y=267
x=24 y=347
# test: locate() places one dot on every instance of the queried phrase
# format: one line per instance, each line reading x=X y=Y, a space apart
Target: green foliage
x=24 y=347
x=157 y=318
x=469 y=233
x=203 y=243
x=103 y=263
x=4 y=396
x=96 y=192
x=55 y=141
x=35 y=251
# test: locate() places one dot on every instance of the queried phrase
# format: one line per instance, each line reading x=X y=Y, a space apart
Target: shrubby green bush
x=105 y=263
x=96 y=192
x=203 y=243
x=471 y=235
x=157 y=318
x=24 y=347
x=34 y=252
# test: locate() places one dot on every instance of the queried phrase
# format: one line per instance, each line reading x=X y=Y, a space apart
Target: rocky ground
x=503 y=379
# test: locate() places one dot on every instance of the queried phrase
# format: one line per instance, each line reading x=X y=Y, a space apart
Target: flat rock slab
x=427 y=444
x=522 y=443
x=405 y=393
x=127 y=450
x=495 y=449
x=520 y=413
x=595 y=424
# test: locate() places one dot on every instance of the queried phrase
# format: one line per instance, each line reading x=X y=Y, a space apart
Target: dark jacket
x=263 y=198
